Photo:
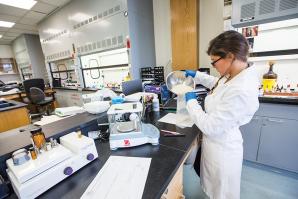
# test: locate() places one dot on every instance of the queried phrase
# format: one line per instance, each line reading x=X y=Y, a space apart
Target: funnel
x=179 y=84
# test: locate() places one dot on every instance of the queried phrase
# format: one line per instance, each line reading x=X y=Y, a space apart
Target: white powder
x=181 y=89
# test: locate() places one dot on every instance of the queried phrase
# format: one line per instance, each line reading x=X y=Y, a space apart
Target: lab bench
x=13 y=114
x=166 y=169
x=279 y=100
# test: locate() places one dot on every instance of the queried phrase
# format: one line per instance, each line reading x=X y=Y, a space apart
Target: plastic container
x=155 y=104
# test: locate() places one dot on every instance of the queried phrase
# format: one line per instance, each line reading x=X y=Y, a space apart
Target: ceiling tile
x=8 y=38
x=3 y=29
x=8 y=10
x=4 y=42
x=22 y=31
x=30 y=32
x=14 y=30
x=35 y=15
x=12 y=34
x=8 y=18
x=26 y=27
x=43 y=7
x=56 y=2
x=28 y=21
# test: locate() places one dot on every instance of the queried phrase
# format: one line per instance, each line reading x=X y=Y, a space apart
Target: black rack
x=153 y=74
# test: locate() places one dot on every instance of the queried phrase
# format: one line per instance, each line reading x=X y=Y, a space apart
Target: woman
x=231 y=103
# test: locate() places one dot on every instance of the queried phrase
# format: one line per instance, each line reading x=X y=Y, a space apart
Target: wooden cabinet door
x=184 y=33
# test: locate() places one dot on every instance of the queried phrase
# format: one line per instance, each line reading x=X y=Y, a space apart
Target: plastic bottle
x=155 y=104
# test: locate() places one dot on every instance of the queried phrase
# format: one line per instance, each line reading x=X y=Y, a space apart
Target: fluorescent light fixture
x=0 y=36
x=6 y=24
x=24 y=4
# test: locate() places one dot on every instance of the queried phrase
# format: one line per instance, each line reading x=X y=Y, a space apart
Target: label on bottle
x=269 y=84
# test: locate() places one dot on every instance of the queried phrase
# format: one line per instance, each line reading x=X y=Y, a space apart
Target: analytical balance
x=34 y=177
x=126 y=128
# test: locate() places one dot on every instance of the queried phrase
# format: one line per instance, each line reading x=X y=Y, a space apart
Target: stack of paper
x=177 y=119
x=120 y=177
x=49 y=119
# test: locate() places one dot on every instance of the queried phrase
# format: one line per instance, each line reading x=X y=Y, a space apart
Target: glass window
x=105 y=69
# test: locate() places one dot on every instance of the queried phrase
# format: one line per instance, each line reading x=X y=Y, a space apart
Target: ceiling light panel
x=24 y=4
x=6 y=24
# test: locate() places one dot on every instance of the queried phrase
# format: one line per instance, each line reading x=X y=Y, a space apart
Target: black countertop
x=12 y=105
x=86 y=89
x=166 y=157
x=279 y=100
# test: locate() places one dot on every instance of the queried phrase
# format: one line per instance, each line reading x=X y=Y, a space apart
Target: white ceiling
x=26 y=20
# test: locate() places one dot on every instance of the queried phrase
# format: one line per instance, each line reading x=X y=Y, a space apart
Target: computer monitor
x=133 y=86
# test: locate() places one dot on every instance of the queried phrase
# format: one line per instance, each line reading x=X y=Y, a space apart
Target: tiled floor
x=257 y=182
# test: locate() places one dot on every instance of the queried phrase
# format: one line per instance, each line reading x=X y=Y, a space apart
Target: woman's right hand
x=191 y=73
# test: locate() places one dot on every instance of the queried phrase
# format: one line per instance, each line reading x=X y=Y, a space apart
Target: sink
x=5 y=104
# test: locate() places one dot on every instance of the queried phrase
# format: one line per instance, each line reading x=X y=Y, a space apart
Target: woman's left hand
x=189 y=96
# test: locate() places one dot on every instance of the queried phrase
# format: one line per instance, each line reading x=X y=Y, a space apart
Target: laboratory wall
x=284 y=34
x=141 y=34
x=211 y=24
x=6 y=52
x=36 y=56
x=29 y=57
x=162 y=34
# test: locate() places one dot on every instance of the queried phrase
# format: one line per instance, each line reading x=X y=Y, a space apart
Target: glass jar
x=38 y=137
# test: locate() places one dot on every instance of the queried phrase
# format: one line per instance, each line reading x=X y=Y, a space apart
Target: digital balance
x=126 y=128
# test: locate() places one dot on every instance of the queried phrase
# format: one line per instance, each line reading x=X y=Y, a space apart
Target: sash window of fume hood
x=105 y=68
x=63 y=72
x=26 y=72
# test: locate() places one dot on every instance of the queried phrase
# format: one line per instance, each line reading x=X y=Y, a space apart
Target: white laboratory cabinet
x=271 y=136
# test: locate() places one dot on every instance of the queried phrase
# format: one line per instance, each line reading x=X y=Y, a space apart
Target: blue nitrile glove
x=189 y=96
x=118 y=100
x=191 y=73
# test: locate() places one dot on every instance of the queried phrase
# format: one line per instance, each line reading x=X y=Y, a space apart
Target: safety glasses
x=214 y=62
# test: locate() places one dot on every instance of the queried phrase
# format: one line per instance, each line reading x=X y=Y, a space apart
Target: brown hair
x=229 y=42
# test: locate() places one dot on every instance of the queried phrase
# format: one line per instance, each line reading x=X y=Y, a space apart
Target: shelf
x=9 y=74
x=63 y=71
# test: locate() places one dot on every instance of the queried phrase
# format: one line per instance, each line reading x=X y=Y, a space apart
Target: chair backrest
x=29 y=83
x=36 y=95
x=133 y=86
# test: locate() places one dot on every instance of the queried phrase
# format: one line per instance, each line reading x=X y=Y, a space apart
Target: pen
x=172 y=133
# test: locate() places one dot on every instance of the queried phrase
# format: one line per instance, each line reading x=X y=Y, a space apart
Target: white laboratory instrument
x=126 y=128
x=34 y=177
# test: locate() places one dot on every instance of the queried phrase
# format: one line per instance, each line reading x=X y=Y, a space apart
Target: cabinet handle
x=275 y=120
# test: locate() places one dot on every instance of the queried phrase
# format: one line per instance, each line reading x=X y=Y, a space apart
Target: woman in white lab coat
x=231 y=103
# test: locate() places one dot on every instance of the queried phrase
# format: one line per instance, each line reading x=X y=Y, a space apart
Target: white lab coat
x=231 y=105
